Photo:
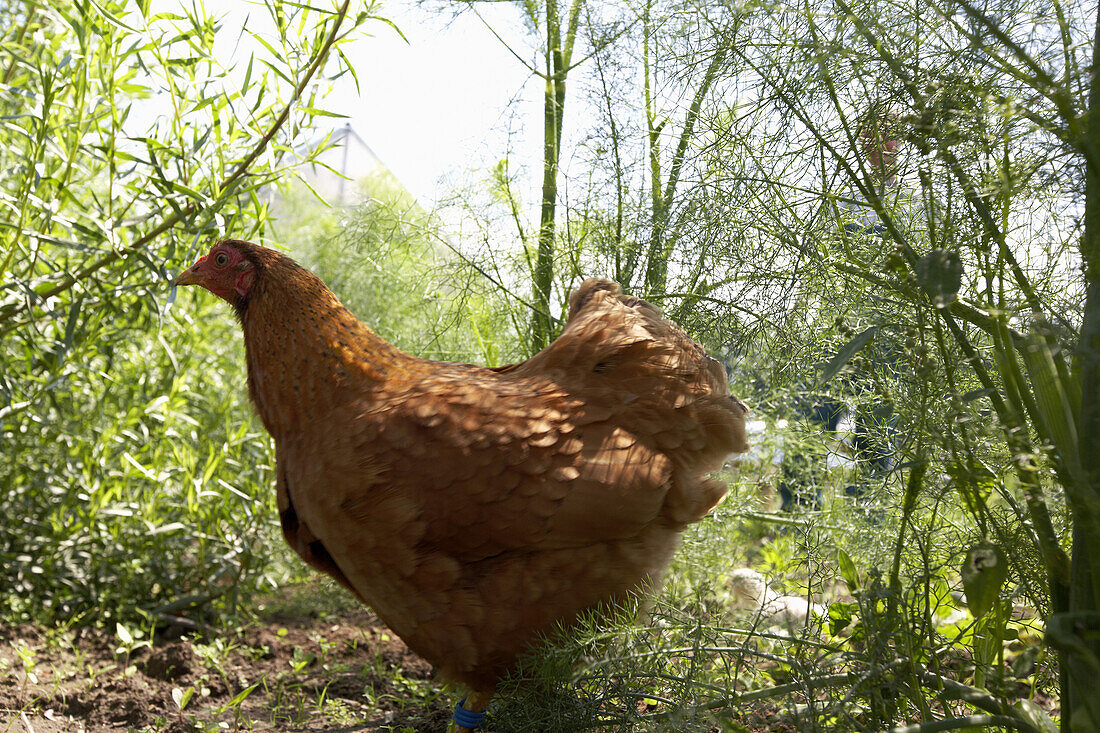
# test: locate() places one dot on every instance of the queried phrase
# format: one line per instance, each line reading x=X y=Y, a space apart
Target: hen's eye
x=221 y=259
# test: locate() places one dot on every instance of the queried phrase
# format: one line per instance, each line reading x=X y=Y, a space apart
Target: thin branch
x=530 y=67
x=497 y=282
x=178 y=214
x=968 y=721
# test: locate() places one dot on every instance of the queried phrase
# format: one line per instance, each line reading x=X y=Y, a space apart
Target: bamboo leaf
x=320 y=112
x=74 y=317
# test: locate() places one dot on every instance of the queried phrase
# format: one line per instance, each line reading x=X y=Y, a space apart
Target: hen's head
x=227 y=271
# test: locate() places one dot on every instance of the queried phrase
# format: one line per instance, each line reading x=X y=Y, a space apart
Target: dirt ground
x=313 y=672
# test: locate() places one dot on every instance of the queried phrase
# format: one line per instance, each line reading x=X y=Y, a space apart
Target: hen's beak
x=189 y=277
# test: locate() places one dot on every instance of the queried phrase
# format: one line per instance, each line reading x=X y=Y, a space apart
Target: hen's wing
x=470 y=469
x=608 y=430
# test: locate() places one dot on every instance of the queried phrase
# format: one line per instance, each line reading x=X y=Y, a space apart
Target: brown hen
x=475 y=508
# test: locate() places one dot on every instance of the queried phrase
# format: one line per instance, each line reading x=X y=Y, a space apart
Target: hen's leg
x=469 y=712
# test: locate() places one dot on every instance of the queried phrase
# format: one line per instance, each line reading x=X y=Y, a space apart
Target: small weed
x=235 y=704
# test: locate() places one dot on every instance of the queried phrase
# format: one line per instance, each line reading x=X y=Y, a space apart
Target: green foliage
x=131 y=478
x=142 y=486
x=388 y=260
x=845 y=354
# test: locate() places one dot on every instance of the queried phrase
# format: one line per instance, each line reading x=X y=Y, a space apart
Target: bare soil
x=341 y=671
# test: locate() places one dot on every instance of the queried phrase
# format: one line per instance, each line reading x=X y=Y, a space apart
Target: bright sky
x=439 y=104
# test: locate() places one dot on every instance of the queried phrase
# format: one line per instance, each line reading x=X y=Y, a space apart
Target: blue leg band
x=466 y=717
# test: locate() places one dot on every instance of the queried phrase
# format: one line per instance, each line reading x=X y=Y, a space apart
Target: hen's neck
x=307 y=353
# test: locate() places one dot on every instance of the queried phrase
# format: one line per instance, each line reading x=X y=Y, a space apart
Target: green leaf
x=1035 y=715
x=192 y=193
x=182 y=697
x=124 y=634
x=976 y=394
x=70 y=326
x=319 y=112
x=240 y=696
x=1024 y=663
x=983 y=574
x=847 y=351
x=840 y=616
x=939 y=274
x=848 y=570
x=170 y=527
x=364 y=17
